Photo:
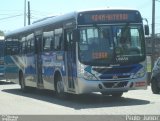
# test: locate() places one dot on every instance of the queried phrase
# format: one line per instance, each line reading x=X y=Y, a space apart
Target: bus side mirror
x=146 y=29
x=76 y=35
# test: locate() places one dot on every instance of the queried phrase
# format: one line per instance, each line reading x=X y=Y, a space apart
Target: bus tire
x=154 y=86
x=60 y=87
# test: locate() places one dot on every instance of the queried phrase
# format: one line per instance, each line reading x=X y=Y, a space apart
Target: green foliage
x=1 y=33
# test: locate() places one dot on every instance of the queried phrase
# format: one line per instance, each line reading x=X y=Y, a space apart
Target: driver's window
x=135 y=40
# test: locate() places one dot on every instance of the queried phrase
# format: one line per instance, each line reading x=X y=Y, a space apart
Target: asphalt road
x=15 y=102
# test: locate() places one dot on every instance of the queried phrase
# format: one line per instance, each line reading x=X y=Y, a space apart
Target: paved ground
x=15 y=102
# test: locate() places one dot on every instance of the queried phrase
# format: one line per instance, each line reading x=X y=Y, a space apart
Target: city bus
x=12 y=47
x=80 y=52
x=2 y=68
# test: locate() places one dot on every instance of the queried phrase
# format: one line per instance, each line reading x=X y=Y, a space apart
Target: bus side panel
x=1 y=69
x=30 y=70
x=2 y=59
x=51 y=62
x=48 y=70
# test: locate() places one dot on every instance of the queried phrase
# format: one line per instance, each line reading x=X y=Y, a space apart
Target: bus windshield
x=103 y=45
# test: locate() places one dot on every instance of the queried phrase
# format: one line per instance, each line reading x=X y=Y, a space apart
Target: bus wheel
x=117 y=95
x=60 y=87
x=154 y=86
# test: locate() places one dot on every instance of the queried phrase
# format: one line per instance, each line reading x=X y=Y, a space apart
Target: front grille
x=115 y=84
x=105 y=76
x=117 y=72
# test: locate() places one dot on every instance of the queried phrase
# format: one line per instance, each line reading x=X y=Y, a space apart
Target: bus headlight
x=85 y=74
x=89 y=76
x=140 y=73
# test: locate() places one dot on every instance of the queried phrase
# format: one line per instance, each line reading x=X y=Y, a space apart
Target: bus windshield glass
x=103 y=45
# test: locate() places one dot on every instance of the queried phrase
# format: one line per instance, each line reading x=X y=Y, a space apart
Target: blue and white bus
x=80 y=52
x=2 y=67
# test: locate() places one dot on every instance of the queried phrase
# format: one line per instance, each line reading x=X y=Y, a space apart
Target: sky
x=12 y=11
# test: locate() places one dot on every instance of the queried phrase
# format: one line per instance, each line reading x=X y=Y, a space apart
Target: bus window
x=57 y=42
x=128 y=40
x=58 y=39
x=23 y=46
x=29 y=46
x=47 y=41
x=30 y=43
x=69 y=37
x=12 y=46
x=26 y=45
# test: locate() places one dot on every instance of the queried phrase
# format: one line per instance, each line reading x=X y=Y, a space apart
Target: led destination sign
x=112 y=16
x=109 y=17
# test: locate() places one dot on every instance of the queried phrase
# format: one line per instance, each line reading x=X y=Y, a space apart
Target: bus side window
x=69 y=40
x=15 y=46
x=7 y=48
x=28 y=46
x=47 y=44
x=61 y=42
x=58 y=42
x=32 y=45
x=48 y=39
x=52 y=44
x=23 y=47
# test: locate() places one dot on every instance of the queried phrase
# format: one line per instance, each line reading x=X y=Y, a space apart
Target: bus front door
x=38 y=59
x=71 y=60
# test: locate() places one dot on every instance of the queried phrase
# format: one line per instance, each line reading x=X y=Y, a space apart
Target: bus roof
x=52 y=20
x=40 y=24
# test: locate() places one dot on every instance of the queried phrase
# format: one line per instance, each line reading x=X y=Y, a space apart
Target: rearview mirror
x=146 y=29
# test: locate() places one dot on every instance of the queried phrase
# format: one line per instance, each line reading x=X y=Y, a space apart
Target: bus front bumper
x=88 y=86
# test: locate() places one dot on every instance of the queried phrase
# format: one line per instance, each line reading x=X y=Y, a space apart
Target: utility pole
x=153 y=32
x=24 y=12
x=29 y=13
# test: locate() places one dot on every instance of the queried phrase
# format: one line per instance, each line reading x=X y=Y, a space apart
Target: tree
x=1 y=33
